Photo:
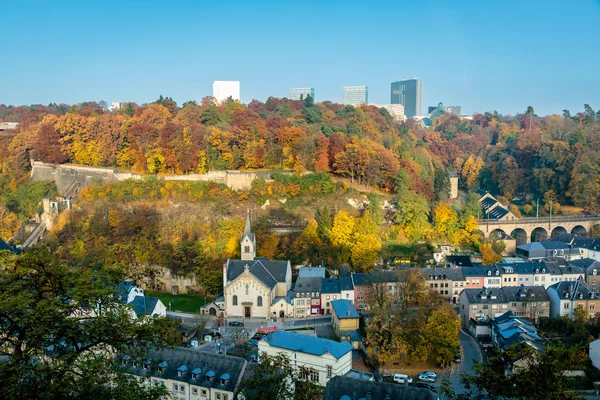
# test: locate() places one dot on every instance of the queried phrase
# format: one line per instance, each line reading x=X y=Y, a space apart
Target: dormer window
x=146 y=365
x=209 y=375
x=489 y=273
x=196 y=372
x=182 y=370
x=224 y=379
x=162 y=367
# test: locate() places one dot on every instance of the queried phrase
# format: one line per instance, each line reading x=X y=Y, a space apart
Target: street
x=471 y=352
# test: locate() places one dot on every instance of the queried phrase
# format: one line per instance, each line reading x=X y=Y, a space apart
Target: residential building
x=395 y=110
x=509 y=329
x=115 y=105
x=145 y=305
x=355 y=95
x=408 y=92
x=592 y=272
x=8 y=126
x=448 y=282
x=346 y=288
x=6 y=246
x=528 y=301
x=330 y=291
x=362 y=290
x=474 y=277
x=301 y=93
x=307 y=297
x=346 y=321
x=482 y=304
x=345 y=388
x=589 y=247
x=491 y=277
x=253 y=284
x=190 y=374
x=492 y=209
x=311 y=272
x=222 y=90
x=544 y=249
x=509 y=274
x=323 y=358
x=566 y=297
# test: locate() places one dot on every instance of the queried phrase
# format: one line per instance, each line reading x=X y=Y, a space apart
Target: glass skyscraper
x=296 y=93
x=355 y=95
x=409 y=93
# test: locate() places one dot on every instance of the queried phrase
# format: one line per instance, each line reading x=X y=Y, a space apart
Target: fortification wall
x=65 y=174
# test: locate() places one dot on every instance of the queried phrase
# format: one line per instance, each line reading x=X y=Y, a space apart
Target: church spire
x=248 y=241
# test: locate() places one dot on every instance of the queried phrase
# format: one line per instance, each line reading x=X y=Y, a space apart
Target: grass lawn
x=181 y=302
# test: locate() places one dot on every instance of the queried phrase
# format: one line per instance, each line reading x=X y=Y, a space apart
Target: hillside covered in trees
x=189 y=225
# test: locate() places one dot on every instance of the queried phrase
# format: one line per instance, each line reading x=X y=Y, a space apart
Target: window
x=246 y=249
x=235 y=300
x=175 y=388
x=389 y=288
x=329 y=371
x=494 y=306
x=361 y=306
x=435 y=285
x=327 y=298
x=225 y=397
x=474 y=307
x=259 y=301
x=505 y=306
x=218 y=396
x=566 y=306
x=181 y=388
x=195 y=391
x=203 y=392
x=592 y=306
x=485 y=306
x=154 y=382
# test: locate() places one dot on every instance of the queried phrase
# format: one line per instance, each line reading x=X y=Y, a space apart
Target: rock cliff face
x=65 y=175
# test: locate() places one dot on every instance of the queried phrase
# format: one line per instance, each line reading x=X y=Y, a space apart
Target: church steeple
x=248 y=241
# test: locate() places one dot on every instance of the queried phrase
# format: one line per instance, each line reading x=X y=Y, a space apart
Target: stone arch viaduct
x=526 y=230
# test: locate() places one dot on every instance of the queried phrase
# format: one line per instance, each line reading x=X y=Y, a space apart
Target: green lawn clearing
x=181 y=302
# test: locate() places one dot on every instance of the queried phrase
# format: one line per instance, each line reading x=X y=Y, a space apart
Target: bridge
x=535 y=229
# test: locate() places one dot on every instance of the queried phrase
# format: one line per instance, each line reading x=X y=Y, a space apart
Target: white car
x=426 y=378
x=401 y=378
x=429 y=373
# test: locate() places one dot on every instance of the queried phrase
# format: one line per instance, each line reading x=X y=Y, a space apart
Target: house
x=189 y=374
x=346 y=321
x=492 y=209
x=145 y=305
x=481 y=304
x=323 y=358
x=128 y=290
x=311 y=272
x=330 y=291
x=215 y=308
x=509 y=274
x=347 y=288
x=6 y=246
x=509 y=329
x=473 y=277
x=362 y=289
x=592 y=272
x=566 y=297
x=307 y=297
x=252 y=284
x=544 y=249
x=345 y=388
x=448 y=282
x=528 y=301
x=589 y=247
x=491 y=277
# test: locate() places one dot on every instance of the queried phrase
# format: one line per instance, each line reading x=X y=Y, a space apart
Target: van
x=401 y=378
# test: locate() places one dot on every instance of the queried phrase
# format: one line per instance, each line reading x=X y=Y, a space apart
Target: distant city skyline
x=355 y=95
x=470 y=53
x=297 y=93
x=409 y=93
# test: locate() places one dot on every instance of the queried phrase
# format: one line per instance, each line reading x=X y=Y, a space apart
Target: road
x=471 y=352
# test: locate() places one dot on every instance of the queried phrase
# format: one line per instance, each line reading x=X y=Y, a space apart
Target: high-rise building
x=301 y=93
x=409 y=93
x=355 y=95
x=222 y=90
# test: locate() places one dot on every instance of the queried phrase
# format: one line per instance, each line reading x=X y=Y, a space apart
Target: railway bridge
x=526 y=230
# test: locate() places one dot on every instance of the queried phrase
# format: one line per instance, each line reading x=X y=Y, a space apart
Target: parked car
x=426 y=386
x=401 y=378
x=426 y=378
x=429 y=373
x=386 y=374
x=458 y=359
x=236 y=323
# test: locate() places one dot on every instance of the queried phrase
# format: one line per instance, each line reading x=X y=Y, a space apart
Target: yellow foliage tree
x=490 y=257
x=155 y=160
x=343 y=227
x=364 y=251
x=444 y=219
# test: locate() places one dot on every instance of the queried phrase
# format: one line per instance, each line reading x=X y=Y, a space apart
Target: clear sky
x=481 y=54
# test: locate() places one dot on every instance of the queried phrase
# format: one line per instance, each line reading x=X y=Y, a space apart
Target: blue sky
x=483 y=55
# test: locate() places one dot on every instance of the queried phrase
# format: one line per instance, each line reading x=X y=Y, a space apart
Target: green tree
x=540 y=376
x=276 y=378
x=62 y=327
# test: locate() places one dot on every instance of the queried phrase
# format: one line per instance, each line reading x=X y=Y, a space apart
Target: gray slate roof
x=307 y=344
x=344 y=309
x=450 y=273
x=346 y=283
x=5 y=246
x=307 y=286
x=343 y=388
x=144 y=305
x=525 y=293
x=311 y=272
x=330 y=285
x=572 y=290
x=197 y=362
x=267 y=271
x=485 y=296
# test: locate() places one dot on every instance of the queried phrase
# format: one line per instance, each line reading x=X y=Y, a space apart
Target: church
x=255 y=287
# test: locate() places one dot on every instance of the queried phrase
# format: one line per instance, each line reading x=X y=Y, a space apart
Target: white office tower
x=222 y=90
